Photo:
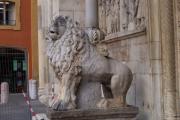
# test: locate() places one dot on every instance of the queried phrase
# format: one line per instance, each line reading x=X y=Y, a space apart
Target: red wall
x=21 y=38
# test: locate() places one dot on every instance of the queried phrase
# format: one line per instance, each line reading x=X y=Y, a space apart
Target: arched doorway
x=13 y=68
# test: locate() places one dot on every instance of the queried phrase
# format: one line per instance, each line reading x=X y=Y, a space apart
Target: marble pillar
x=155 y=57
x=42 y=88
x=41 y=61
x=91 y=14
x=168 y=59
x=162 y=36
x=177 y=51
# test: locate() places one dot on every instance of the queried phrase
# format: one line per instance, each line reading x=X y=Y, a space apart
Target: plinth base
x=124 y=113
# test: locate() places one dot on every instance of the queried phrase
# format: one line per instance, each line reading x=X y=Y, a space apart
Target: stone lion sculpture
x=74 y=57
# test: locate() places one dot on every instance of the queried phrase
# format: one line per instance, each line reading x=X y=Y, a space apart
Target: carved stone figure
x=141 y=13
x=134 y=12
x=74 y=58
x=112 y=16
x=116 y=16
x=130 y=10
x=123 y=16
x=109 y=16
x=102 y=15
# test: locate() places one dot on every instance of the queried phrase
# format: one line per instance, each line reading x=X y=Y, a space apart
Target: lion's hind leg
x=119 y=87
x=111 y=102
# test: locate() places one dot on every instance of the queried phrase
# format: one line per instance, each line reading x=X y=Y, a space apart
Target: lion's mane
x=64 y=53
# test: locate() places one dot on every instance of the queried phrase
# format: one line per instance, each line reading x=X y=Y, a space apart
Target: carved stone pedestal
x=125 y=113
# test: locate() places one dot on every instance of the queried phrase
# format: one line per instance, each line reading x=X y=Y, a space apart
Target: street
x=17 y=109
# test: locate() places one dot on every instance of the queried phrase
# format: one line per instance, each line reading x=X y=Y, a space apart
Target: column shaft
x=91 y=13
x=168 y=59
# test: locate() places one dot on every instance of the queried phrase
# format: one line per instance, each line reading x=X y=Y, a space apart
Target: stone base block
x=124 y=113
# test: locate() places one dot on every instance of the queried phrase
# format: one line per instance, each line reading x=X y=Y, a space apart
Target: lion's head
x=57 y=27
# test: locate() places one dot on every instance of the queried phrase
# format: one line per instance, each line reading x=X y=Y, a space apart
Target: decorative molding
x=17 y=26
x=124 y=35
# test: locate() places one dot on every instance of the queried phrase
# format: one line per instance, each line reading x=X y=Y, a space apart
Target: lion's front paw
x=112 y=103
x=103 y=103
x=60 y=105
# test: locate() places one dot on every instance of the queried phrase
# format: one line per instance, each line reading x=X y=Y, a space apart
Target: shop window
x=9 y=14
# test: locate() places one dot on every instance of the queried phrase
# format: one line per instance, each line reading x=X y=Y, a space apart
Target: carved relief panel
x=121 y=15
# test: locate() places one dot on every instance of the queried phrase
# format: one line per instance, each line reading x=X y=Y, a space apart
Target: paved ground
x=17 y=109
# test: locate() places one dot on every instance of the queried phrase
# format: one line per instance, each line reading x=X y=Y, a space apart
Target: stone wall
x=134 y=51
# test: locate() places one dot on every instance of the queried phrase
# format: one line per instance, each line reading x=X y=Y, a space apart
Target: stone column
x=91 y=13
x=40 y=48
x=177 y=47
x=42 y=88
x=153 y=31
x=41 y=60
x=168 y=59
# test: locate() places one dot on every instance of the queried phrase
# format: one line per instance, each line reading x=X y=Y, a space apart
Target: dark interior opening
x=13 y=69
